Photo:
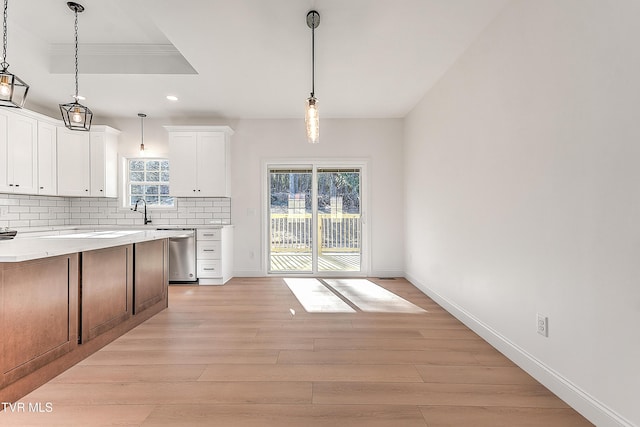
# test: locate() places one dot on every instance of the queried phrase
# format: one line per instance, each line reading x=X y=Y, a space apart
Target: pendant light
x=13 y=91
x=75 y=115
x=312 y=119
x=142 y=116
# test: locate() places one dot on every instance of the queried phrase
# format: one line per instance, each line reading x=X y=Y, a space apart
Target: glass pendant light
x=13 y=91
x=312 y=119
x=142 y=116
x=75 y=115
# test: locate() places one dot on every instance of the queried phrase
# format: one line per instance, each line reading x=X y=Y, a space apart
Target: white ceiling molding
x=106 y=58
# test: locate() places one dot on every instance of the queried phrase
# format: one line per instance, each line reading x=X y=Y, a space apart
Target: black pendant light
x=142 y=116
x=75 y=115
x=13 y=91
x=311 y=117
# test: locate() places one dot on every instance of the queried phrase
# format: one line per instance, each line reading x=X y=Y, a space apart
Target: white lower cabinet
x=214 y=248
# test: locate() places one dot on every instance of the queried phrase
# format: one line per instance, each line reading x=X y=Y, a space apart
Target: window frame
x=126 y=202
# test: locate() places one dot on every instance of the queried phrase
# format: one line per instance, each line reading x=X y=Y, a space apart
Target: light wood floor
x=234 y=355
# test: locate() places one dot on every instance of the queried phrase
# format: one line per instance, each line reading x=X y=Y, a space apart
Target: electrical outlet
x=542 y=324
x=4 y=210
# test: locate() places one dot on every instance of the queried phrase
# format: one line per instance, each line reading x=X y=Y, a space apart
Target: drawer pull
x=208 y=250
x=209 y=269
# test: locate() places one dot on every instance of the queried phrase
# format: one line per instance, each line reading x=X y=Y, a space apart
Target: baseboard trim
x=249 y=273
x=589 y=407
x=386 y=273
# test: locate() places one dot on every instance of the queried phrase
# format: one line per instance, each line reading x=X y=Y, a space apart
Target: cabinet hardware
x=10 y=185
x=209 y=269
x=209 y=250
x=42 y=188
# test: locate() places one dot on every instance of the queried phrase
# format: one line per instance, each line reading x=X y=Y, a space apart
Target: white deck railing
x=337 y=232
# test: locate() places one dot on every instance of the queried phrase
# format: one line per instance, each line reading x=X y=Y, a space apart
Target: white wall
x=378 y=140
x=522 y=172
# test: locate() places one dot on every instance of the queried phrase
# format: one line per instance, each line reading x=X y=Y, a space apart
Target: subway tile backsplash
x=22 y=211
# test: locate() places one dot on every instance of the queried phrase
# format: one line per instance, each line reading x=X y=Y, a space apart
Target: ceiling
x=240 y=58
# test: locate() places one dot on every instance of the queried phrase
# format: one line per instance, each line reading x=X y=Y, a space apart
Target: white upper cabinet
x=47 y=159
x=38 y=155
x=199 y=161
x=74 y=177
x=183 y=175
x=18 y=153
x=104 y=161
x=88 y=162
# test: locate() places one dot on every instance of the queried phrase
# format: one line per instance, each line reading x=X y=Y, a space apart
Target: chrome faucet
x=135 y=209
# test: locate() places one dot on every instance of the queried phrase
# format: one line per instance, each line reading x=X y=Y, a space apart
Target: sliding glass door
x=339 y=219
x=290 y=220
x=314 y=220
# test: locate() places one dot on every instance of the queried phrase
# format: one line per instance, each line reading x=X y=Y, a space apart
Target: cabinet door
x=47 y=177
x=97 y=163
x=183 y=162
x=23 y=154
x=73 y=163
x=111 y=165
x=212 y=168
x=104 y=164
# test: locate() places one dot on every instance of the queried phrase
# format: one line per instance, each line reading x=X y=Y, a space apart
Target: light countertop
x=44 y=244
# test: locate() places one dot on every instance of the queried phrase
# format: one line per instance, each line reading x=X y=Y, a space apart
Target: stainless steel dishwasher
x=182 y=257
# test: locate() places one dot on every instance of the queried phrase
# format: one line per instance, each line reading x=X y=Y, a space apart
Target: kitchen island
x=64 y=296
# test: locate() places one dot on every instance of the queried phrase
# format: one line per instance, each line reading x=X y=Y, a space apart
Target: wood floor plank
x=210 y=343
x=474 y=375
x=397 y=344
x=450 y=334
x=174 y=393
x=285 y=415
x=90 y=374
x=195 y=333
x=435 y=394
x=320 y=372
x=339 y=333
x=455 y=416
x=381 y=357
x=182 y=357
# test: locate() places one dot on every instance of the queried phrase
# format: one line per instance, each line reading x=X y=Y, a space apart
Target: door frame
x=314 y=164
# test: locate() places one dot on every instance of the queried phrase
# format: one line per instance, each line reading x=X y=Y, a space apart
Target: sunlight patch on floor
x=316 y=297
x=368 y=296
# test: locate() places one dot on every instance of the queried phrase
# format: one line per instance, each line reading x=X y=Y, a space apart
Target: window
x=148 y=179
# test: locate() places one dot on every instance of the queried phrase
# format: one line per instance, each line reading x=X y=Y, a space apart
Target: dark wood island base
x=57 y=311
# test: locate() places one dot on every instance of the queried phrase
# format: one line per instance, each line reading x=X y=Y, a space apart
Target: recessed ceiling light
x=172 y=98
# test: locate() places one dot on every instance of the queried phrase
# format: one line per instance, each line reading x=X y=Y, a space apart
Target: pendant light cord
x=76 y=30
x=4 y=64
x=313 y=56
